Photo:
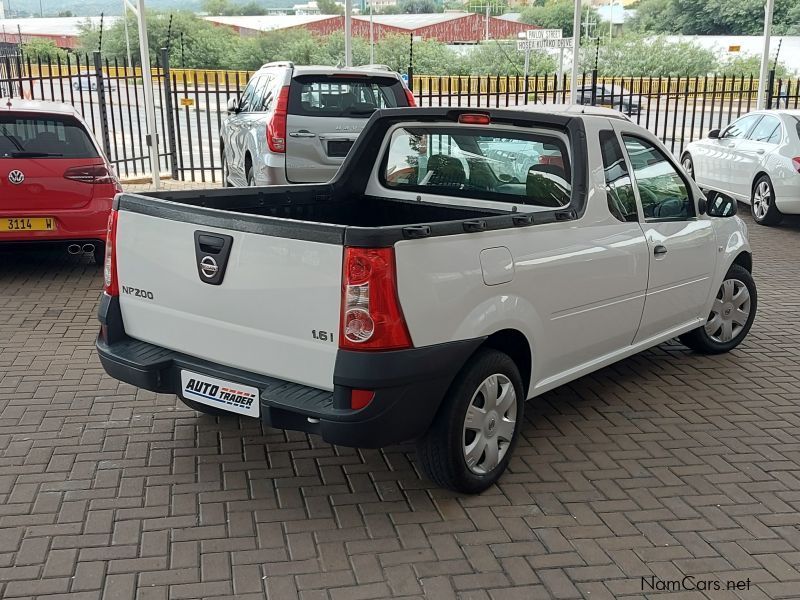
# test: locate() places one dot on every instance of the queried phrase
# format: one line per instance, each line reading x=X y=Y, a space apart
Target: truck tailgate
x=275 y=313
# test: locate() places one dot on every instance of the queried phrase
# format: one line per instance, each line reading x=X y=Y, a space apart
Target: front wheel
x=688 y=164
x=762 y=203
x=473 y=435
x=731 y=315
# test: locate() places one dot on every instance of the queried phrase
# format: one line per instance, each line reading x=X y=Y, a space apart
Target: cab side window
x=619 y=189
x=663 y=192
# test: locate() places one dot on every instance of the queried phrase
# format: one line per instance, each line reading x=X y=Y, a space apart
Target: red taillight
x=276 y=128
x=410 y=97
x=474 y=119
x=796 y=163
x=110 y=283
x=94 y=174
x=360 y=398
x=371 y=315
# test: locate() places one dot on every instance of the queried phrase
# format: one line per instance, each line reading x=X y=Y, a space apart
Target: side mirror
x=233 y=105
x=721 y=206
x=714 y=134
x=702 y=205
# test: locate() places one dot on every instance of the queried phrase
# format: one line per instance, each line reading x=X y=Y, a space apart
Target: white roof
x=38 y=106
x=54 y=26
x=414 y=21
x=269 y=22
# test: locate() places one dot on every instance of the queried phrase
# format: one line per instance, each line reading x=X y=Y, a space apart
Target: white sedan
x=755 y=159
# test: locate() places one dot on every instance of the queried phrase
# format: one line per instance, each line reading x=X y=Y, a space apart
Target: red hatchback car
x=55 y=183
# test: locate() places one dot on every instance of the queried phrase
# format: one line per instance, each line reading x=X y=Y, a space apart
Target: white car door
x=682 y=246
x=730 y=159
x=751 y=152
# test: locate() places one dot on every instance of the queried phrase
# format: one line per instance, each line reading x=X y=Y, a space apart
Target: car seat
x=446 y=171
x=544 y=190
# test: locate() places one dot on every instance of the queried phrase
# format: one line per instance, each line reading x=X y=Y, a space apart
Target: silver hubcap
x=761 y=200
x=730 y=312
x=687 y=165
x=489 y=423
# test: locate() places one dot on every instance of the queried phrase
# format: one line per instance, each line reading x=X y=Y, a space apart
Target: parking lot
x=666 y=465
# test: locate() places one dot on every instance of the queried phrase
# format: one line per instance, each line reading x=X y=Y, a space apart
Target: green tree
x=497 y=58
x=750 y=65
x=329 y=7
x=228 y=8
x=640 y=56
x=555 y=14
x=497 y=7
x=418 y=6
x=430 y=57
x=204 y=45
x=43 y=49
x=296 y=45
x=714 y=17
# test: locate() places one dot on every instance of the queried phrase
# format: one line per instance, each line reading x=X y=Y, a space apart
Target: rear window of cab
x=520 y=168
x=44 y=136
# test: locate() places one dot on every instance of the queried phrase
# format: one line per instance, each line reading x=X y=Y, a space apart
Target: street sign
x=544 y=44
x=544 y=34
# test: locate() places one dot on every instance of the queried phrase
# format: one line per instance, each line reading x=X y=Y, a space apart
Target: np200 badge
x=137 y=292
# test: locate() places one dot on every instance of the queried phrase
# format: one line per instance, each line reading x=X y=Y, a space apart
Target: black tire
x=762 y=202
x=688 y=164
x=441 y=451
x=99 y=253
x=225 y=172
x=707 y=343
x=248 y=168
x=204 y=408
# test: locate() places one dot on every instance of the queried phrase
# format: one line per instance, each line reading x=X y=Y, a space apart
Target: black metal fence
x=190 y=104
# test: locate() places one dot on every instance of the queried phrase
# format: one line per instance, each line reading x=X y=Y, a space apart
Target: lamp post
x=764 y=74
x=576 y=49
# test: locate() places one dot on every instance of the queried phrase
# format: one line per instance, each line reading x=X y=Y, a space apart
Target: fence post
x=594 y=86
x=173 y=157
x=770 y=85
x=101 y=104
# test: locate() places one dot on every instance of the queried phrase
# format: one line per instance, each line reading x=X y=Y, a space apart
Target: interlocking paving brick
x=663 y=465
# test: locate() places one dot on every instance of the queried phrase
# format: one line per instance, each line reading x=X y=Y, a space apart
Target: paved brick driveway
x=667 y=464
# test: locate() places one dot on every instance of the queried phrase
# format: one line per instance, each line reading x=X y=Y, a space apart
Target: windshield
x=528 y=168
x=30 y=136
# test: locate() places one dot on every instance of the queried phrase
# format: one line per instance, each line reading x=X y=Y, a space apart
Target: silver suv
x=296 y=124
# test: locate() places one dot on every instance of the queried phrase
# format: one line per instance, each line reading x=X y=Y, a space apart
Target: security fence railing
x=190 y=104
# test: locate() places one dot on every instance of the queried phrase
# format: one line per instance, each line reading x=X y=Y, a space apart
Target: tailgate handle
x=210 y=244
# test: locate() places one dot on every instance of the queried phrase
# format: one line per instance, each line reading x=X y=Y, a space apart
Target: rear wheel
x=688 y=164
x=225 y=172
x=762 y=203
x=731 y=315
x=473 y=435
x=204 y=408
x=248 y=171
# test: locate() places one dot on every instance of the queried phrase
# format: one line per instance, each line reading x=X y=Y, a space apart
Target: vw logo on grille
x=208 y=267
x=16 y=177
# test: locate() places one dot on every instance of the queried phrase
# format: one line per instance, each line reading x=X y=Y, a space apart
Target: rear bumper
x=409 y=385
x=83 y=224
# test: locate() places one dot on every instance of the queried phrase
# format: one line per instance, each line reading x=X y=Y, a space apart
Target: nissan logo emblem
x=208 y=267
x=16 y=177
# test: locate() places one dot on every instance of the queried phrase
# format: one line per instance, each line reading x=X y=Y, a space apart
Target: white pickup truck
x=460 y=262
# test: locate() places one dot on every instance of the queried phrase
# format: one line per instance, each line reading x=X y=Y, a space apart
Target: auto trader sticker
x=225 y=395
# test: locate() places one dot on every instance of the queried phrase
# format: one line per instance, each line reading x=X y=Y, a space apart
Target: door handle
x=302 y=134
x=660 y=250
x=760 y=151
